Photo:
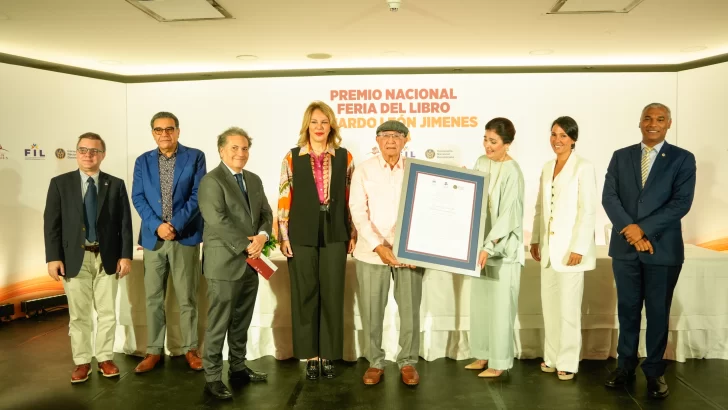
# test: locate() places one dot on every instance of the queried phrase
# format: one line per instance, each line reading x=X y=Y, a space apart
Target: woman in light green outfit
x=494 y=295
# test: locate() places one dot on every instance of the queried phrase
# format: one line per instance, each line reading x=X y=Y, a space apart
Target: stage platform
x=36 y=364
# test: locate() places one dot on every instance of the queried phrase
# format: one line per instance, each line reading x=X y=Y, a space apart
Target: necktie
x=90 y=202
x=239 y=178
x=645 y=164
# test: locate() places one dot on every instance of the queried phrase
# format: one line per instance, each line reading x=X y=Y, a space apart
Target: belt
x=91 y=248
x=323 y=207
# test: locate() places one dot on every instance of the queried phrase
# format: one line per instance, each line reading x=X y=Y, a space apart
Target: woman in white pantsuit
x=563 y=241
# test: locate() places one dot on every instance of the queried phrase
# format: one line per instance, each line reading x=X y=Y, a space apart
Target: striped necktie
x=645 y=164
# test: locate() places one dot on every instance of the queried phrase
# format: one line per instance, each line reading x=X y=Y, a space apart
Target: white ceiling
x=115 y=37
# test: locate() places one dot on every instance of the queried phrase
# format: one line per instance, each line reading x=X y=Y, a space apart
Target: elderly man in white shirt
x=373 y=202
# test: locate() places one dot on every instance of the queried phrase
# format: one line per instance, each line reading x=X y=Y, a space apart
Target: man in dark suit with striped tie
x=238 y=222
x=649 y=188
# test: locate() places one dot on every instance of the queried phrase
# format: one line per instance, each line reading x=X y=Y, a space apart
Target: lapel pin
x=107 y=182
x=663 y=155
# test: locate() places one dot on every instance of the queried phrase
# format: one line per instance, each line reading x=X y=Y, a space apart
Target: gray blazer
x=229 y=221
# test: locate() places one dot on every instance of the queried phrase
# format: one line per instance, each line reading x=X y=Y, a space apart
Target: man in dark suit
x=238 y=222
x=88 y=245
x=649 y=188
x=164 y=194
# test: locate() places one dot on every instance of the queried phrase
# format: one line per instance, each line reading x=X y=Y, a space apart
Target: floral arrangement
x=270 y=245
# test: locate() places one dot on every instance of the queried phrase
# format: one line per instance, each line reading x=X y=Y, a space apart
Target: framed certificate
x=442 y=217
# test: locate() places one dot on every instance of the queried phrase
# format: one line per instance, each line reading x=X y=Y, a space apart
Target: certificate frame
x=415 y=168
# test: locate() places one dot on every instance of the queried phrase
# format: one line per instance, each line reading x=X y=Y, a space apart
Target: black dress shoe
x=657 y=387
x=247 y=375
x=328 y=369
x=619 y=378
x=218 y=390
x=312 y=369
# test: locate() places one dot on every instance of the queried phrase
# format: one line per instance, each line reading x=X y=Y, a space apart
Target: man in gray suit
x=238 y=222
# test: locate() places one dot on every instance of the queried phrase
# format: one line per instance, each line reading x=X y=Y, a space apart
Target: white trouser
x=561 y=295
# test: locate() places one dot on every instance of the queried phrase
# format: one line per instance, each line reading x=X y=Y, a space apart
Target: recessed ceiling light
x=247 y=57
x=541 y=52
x=693 y=49
x=319 y=56
x=110 y=62
x=393 y=53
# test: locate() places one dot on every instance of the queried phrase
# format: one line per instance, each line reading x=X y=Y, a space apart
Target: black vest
x=303 y=219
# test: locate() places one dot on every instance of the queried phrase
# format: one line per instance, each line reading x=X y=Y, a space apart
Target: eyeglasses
x=92 y=151
x=391 y=136
x=160 y=131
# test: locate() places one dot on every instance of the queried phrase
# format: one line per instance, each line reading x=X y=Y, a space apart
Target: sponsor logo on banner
x=440 y=154
x=407 y=153
x=3 y=152
x=65 y=154
x=445 y=154
x=34 y=152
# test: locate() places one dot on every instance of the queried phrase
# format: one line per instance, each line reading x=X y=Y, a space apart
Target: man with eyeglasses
x=89 y=245
x=374 y=203
x=164 y=193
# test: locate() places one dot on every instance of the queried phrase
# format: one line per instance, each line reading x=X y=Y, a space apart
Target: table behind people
x=699 y=313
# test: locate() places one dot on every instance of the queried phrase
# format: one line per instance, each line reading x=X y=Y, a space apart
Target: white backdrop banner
x=446 y=115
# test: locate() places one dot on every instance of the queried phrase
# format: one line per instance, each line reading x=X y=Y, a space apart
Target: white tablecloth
x=698 y=322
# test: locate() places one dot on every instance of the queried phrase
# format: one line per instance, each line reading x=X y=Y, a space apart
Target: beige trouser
x=92 y=290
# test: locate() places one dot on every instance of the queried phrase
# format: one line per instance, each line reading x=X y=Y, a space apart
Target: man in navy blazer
x=649 y=188
x=164 y=194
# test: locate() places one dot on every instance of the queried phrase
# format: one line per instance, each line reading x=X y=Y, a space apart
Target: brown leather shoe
x=150 y=360
x=80 y=373
x=410 y=376
x=372 y=376
x=108 y=368
x=194 y=359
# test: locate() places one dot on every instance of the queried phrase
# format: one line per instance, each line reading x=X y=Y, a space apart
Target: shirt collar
x=307 y=149
x=174 y=154
x=383 y=163
x=657 y=148
x=84 y=177
x=231 y=170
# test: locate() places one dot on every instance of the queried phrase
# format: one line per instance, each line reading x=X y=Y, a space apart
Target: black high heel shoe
x=312 y=369
x=327 y=369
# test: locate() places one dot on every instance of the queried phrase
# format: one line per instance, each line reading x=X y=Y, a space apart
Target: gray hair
x=658 y=105
x=222 y=138
x=164 y=114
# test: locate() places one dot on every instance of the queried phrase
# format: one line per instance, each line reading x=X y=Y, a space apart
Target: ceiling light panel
x=594 y=6
x=181 y=10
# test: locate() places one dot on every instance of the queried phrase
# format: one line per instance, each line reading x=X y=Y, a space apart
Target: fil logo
x=34 y=152
x=407 y=153
x=2 y=153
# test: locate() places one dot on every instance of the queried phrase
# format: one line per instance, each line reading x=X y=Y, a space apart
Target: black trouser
x=654 y=285
x=317 y=297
